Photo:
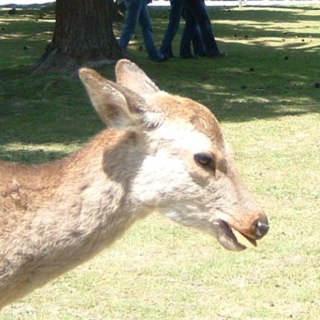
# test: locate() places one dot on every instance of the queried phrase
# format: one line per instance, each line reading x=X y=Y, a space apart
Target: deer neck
x=55 y=216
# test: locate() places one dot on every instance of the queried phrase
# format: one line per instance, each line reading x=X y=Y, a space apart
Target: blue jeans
x=172 y=28
x=197 y=43
x=195 y=38
x=196 y=14
x=137 y=11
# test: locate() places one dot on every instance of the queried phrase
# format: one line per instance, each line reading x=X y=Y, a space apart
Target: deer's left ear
x=130 y=76
x=111 y=104
x=117 y=106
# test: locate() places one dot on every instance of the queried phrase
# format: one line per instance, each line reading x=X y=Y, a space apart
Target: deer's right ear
x=129 y=75
x=107 y=97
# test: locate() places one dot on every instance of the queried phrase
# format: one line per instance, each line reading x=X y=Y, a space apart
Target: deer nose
x=261 y=227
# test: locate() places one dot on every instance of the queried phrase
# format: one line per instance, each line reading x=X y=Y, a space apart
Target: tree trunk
x=83 y=35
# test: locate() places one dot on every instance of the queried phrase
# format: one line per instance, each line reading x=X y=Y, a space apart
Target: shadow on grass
x=270 y=70
x=34 y=157
x=255 y=81
x=277 y=14
x=252 y=82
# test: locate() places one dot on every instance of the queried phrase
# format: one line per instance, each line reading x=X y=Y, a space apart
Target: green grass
x=264 y=95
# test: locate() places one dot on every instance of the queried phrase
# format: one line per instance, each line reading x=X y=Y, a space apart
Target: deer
x=159 y=152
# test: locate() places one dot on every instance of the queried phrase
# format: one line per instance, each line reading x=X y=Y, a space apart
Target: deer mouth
x=232 y=239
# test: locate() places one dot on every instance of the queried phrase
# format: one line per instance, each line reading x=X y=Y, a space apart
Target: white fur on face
x=165 y=174
x=182 y=137
x=171 y=182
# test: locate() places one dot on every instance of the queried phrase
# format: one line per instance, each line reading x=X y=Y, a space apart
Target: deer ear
x=115 y=105
x=130 y=76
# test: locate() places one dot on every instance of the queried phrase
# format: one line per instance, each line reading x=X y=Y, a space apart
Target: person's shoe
x=162 y=59
x=215 y=56
x=169 y=55
x=188 y=56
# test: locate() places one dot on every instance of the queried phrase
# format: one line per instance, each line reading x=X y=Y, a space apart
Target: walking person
x=137 y=12
x=196 y=14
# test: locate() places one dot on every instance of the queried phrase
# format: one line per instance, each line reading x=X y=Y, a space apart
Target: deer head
x=183 y=166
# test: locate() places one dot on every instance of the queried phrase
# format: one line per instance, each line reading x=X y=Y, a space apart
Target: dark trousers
x=196 y=14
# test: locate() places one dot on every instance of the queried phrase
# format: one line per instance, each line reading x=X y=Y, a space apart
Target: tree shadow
x=269 y=72
x=277 y=14
x=34 y=157
x=254 y=81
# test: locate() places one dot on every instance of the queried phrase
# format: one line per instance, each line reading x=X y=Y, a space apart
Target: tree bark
x=83 y=35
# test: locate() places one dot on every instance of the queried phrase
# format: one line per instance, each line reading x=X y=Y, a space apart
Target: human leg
x=147 y=33
x=133 y=8
x=187 y=34
x=197 y=43
x=200 y=13
x=172 y=28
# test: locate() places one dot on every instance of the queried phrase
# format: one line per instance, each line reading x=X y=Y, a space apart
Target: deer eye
x=205 y=159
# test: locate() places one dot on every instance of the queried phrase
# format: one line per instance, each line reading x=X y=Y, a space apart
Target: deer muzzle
x=237 y=234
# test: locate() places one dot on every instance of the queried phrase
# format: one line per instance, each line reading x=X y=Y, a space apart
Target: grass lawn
x=265 y=96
